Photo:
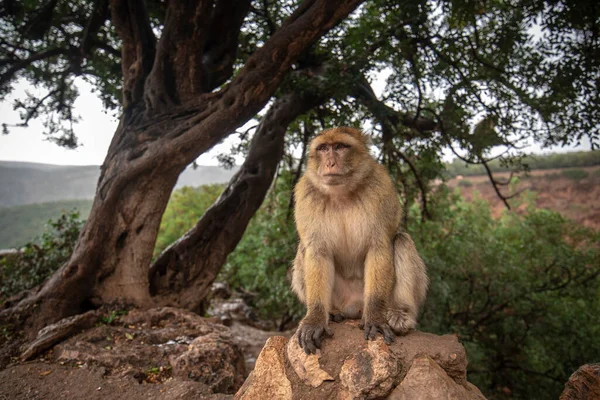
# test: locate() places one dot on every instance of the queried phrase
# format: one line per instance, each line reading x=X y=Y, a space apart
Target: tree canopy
x=516 y=70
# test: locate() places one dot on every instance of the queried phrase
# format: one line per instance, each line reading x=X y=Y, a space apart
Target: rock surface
x=416 y=366
x=584 y=384
x=158 y=344
x=270 y=372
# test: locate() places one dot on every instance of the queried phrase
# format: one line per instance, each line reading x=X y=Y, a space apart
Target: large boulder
x=584 y=384
x=416 y=366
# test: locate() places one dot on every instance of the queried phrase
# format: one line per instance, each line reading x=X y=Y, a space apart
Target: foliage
x=112 y=316
x=465 y=183
x=522 y=294
x=482 y=74
x=185 y=207
x=575 y=174
x=21 y=224
x=35 y=262
x=261 y=261
x=532 y=162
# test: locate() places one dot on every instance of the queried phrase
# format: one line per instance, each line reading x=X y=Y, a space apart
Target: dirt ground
x=578 y=200
x=49 y=381
x=45 y=379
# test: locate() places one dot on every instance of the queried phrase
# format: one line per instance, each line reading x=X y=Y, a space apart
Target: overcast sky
x=95 y=132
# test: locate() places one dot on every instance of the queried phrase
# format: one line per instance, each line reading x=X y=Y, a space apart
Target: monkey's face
x=334 y=155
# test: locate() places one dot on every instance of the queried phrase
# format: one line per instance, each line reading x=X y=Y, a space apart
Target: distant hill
x=21 y=224
x=28 y=183
x=533 y=161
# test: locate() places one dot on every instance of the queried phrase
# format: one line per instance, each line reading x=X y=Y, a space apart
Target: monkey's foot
x=372 y=328
x=310 y=336
x=401 y=321
x=336 y=317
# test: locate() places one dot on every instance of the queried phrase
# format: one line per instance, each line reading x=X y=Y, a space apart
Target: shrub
x=261 y=261
x=185 y=208
x=465 y=183
x=575 y=174
x=37 y=260
x=521 y=293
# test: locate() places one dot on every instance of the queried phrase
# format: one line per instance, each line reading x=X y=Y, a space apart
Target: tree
x=180 y=96
x=464 y=76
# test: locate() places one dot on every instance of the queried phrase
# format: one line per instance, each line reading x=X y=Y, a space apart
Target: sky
x=96 y=129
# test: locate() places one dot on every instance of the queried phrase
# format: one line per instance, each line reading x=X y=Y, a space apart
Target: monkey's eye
x=340 y=146
x=322 y=147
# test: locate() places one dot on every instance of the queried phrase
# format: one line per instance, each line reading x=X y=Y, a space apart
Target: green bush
x=185 y=208
x=575 y=174
x=520 y=292
x=465 y=183
x=261 y=261
x=36 y=261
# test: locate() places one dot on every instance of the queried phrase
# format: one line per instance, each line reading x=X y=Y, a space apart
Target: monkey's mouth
x=333 y=179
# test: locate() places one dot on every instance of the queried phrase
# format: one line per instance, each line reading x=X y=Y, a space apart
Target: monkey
x=353 y=260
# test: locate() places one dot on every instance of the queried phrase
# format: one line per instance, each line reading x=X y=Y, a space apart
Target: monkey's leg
x=318 y=278
x=378 y=286
x=410 y=288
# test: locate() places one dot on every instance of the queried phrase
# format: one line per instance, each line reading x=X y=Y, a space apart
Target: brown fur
x=352 y=260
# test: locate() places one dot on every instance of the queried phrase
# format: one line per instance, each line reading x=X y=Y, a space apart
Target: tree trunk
x=110 y=261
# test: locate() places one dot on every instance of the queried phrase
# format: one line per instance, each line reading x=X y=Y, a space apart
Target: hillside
x=20 y=224
x=572 y=192
x=28 y=183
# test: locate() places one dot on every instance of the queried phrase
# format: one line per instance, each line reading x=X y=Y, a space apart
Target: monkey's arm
x=318 y=280
x=379 y=281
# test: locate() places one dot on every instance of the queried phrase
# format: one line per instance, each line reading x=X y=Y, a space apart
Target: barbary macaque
x=353 y=261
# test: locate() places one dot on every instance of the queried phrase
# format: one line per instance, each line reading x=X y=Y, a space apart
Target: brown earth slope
x=577 y=199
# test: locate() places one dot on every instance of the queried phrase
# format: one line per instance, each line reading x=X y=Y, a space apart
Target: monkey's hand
x=372 y=326
x=311 y=334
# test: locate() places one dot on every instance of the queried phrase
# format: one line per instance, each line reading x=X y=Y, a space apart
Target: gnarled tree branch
x=192 y=263
x=131 y=21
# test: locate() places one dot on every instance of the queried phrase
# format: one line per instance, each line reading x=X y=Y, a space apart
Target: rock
x=270 y=372
x=584 y=384
x=54 y=333
x=372 y=372
x=251 y=340
x=426 y=380
x=349 y=367
x=236 y=309
x=213 y=360
x=307 y=365
x=179 y=343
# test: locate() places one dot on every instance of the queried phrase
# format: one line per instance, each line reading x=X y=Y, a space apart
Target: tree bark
x=160 y=133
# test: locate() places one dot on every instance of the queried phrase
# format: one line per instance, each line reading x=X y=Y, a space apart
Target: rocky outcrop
x=416 y=366
x=584 y=384
x=155 y=345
